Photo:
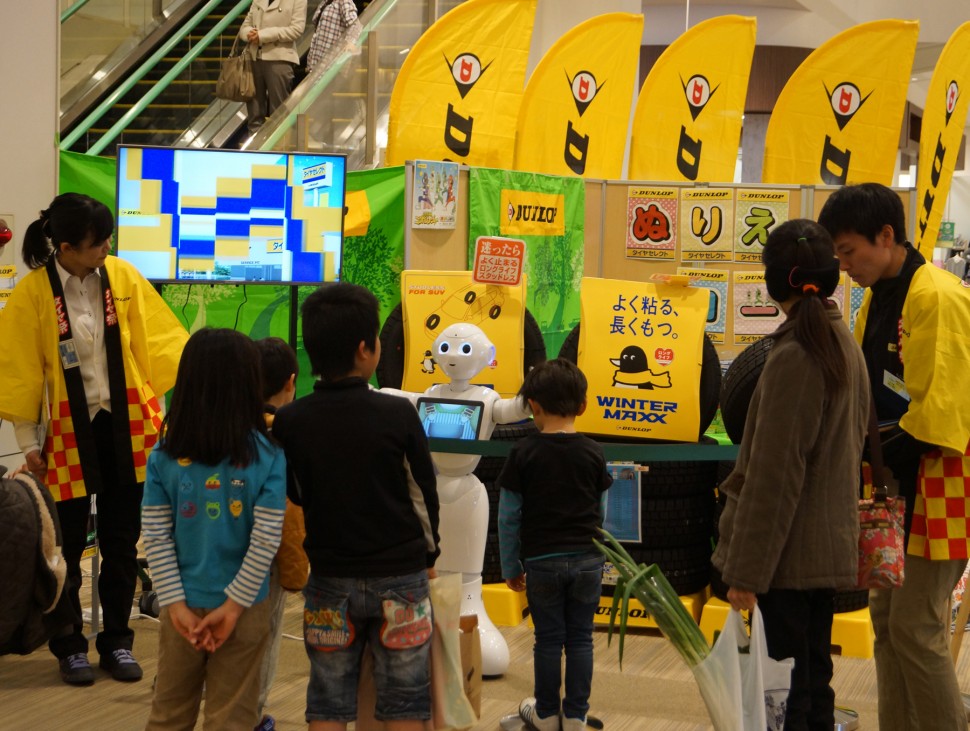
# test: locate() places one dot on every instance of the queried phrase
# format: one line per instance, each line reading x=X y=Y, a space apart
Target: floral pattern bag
x=882 y=549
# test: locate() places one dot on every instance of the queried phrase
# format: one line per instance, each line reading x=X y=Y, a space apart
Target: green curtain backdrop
x=554 y=264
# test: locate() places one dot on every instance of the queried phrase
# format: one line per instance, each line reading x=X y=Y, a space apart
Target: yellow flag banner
x=687 y=124
x=641 y=349
x=837 y=120
x=458 y=93
x=576 y=107
x=944 y=115
x=433 y=301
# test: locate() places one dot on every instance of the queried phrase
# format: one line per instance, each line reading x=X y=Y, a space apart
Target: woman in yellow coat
x=95 y=345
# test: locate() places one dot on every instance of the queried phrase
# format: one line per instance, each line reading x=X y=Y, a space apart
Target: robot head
x=462 y=351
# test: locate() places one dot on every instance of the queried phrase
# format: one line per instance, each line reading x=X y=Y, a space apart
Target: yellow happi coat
x=151 y=343
x=935 y=349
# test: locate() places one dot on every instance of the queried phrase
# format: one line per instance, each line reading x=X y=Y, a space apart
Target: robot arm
x=409 y=395
x=510 y=410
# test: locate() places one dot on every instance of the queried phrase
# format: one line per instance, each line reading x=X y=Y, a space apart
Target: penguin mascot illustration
x=427 y=363
x=633 y=371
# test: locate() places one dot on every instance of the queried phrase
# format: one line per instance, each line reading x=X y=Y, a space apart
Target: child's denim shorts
x=393 y=614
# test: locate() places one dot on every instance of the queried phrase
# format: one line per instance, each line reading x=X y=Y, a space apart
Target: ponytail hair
x=70 y=219
x=799 y=259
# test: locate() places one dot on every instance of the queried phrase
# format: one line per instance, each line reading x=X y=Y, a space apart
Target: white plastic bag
x=744 y=691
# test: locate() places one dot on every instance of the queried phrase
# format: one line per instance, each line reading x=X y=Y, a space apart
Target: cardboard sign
x=498 y=260
x=431 y=301
x=641 y=348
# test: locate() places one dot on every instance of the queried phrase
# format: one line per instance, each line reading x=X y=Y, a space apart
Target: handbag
x=881 y=531
x=743 y=688
x=236 y=82
x=291 y=559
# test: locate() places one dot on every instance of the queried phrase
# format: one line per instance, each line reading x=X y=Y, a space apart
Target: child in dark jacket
x=549 y=514
x=359 y=465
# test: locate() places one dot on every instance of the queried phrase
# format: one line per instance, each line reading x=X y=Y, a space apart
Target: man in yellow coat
x=914 y=329
x=90 y=348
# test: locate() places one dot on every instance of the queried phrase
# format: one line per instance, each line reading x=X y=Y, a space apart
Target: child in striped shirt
x=211 y=518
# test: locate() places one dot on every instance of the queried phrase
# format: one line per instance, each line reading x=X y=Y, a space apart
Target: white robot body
x=462 y=351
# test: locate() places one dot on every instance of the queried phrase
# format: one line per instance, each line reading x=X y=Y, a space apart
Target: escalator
x=166 y=81
x=162 y=91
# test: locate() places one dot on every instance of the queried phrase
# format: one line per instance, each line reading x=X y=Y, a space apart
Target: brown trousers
x=230 y=676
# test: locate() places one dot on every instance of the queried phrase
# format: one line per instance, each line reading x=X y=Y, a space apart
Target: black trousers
x=119 y=525
x=798 y=624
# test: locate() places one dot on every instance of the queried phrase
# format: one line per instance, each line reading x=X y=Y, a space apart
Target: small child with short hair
x=359 y=464
x=279 y=368
x=212 y=516
x=549 y=513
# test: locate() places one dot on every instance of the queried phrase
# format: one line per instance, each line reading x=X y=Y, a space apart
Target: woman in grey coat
x=790 y=529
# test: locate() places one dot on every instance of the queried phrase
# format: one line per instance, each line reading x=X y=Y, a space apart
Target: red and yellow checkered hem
x=941 y=514
x=65 y=478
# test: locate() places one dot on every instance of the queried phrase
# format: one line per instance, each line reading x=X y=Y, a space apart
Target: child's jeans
x=563 y=594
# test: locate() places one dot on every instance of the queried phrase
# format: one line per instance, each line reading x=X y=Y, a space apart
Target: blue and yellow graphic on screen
x=231 y=215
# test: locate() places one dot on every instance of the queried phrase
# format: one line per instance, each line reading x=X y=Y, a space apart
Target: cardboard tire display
x=390 y=369
x=710 y=386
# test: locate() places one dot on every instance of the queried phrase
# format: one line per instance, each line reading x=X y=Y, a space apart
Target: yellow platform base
x=638 y=617
x=506 y=608
x=851 y=631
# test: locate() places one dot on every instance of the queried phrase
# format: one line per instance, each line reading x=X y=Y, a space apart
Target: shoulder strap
x=875 y=455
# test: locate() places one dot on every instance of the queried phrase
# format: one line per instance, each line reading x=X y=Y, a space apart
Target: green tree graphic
x=371 y=262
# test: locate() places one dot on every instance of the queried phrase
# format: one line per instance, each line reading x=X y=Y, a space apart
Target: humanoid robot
x=461 y=351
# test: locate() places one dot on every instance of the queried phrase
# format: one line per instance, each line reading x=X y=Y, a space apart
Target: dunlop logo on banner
x=526 y=213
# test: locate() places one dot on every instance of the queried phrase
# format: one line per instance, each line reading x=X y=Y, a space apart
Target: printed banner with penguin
x=942 y=132
x=576 y=107
x=641 y=348
x=838 y=118
x=694 y=94
x=458 y=93
x=431 y=301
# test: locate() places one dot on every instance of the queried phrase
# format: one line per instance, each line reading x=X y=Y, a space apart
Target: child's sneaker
x=573 y=724
x=527 y=712
x=267 y=723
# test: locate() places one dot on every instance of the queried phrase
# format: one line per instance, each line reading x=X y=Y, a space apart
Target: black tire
x=688 y=568
x=434 y=319
x=738 y=386
x=488 y=470
x=850 y=601
x=677 y=522
x=710 y=385
x=492 y=566
x=665 y=480
x=390 y=369
x=469 y=297
x=494 y=311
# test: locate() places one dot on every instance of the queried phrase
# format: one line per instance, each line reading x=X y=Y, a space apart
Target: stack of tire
x=677 y=498
x=737 y=389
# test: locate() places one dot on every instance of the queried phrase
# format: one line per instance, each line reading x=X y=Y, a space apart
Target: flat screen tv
x=231 y=215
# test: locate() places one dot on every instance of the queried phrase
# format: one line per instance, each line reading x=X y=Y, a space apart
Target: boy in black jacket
x=359 y=465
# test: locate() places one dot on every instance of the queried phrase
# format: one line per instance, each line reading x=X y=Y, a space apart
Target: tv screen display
x=450 y=418
x=231 y=215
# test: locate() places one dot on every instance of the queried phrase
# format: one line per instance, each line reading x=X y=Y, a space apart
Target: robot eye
x=466 y=348
x=443 y=348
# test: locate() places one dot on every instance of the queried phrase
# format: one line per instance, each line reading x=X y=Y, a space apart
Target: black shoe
x=121 y=665
x=76 y=670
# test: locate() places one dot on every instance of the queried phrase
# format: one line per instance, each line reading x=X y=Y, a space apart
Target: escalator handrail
x=313 y=86
x=68 y=12
x=147 y=65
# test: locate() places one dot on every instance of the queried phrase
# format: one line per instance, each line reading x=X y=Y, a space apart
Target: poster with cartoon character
x=651 y=223
x=431 y=301
x=641 y=350
x=434 y=194
x=755 y=313
x=715 y=281
x=706 y=224
x=757 y=213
